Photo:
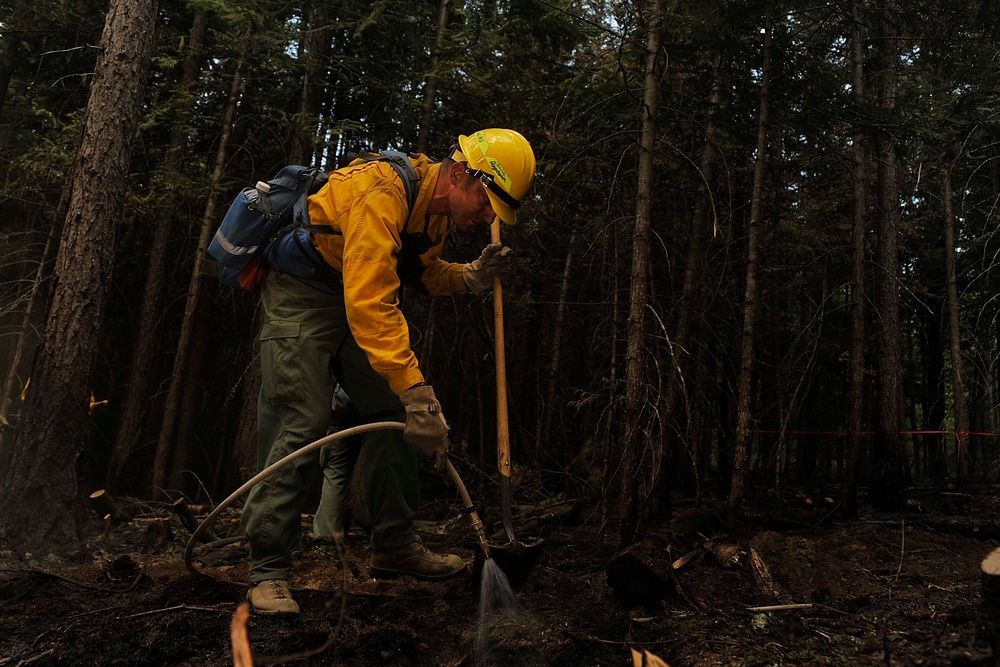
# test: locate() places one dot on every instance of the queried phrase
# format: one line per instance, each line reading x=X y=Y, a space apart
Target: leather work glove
x=425 y=424
x=497 y=261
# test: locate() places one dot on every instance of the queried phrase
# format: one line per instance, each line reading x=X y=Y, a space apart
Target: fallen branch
x=36 y=658
x=762 y=576
x=781 y=607
x=686 y=558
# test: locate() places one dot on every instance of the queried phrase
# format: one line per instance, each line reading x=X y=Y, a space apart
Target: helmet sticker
x=499 y=173
x=484 y=145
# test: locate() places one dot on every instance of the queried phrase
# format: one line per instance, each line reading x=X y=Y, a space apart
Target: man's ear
x=455 y=172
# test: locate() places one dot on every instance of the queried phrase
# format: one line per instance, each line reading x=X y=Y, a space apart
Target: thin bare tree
x=888 y=483
x=317 y=47
x=168 y=463
x=954 y=334
x=634 y=356
x=141 y=377
x=859 y=231
x=741 y=448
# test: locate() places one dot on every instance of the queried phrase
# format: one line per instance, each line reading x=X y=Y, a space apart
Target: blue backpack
x=267 y=226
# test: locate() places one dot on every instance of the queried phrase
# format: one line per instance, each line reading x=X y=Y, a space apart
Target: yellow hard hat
x=504 y=162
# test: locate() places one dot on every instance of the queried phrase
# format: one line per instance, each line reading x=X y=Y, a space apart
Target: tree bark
x=741 y=448
x=163 y=475
x=888 y=484
x=634 y=366
x=141 y=376
x=856 y=367
x=40 y=495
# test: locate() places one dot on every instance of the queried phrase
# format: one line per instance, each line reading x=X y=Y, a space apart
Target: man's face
x=470 y=205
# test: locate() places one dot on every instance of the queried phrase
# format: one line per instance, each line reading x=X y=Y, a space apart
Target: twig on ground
x=94 y=611
x=36 y=658
x=902 y=547
x=781 y=607
x=180 y=607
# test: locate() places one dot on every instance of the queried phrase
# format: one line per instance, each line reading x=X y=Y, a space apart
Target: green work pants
x=305 y=340
x=337 y=461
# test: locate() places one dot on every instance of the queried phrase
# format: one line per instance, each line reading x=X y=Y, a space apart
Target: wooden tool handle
x=503 y=432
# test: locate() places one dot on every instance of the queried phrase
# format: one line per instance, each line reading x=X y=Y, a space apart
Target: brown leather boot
x=272 y=598
x=414 y=560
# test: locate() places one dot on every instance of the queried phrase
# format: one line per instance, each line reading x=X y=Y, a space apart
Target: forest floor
x=891 y=591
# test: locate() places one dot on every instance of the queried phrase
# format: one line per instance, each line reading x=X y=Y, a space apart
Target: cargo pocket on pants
x=281 y=364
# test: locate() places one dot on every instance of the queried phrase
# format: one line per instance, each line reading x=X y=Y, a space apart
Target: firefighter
x=346 y=327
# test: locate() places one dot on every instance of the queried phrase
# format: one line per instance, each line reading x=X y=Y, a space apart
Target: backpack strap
x=401 y=163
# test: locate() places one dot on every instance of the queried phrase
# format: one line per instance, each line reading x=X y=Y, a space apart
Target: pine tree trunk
x=741 y=448
x=40 y=494
x=610 y=481
x=679 y=385
x=141 y=376
x=634 y=356
x=954 y=335
x=6 y=64
x=856 y=367
x=430 y=81
x=888 y=484
x=163 y=476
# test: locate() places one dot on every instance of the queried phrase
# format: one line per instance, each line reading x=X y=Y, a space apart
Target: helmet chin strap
x=491 y=185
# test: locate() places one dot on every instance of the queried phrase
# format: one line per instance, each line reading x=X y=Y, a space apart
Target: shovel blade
x=515 y=559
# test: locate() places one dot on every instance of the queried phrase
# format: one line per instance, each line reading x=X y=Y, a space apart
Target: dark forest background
x=759 y=254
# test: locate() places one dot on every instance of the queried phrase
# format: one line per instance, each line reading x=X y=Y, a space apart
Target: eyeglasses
x=491 y=185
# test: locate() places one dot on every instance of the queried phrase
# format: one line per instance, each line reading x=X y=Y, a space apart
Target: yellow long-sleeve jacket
x=375 y=241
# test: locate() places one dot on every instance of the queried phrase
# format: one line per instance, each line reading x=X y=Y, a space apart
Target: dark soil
x=886 y=592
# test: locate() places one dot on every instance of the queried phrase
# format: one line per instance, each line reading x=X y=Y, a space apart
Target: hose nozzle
x=477 y=525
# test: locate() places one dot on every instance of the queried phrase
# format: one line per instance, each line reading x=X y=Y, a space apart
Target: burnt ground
x=902 y=590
